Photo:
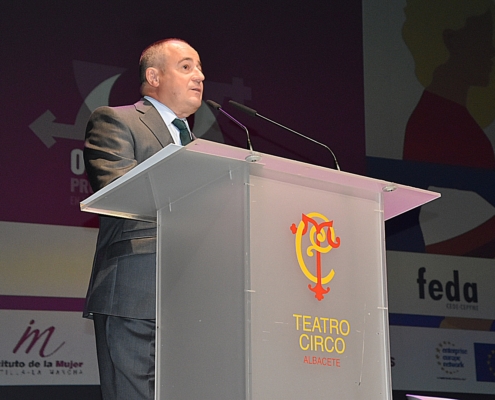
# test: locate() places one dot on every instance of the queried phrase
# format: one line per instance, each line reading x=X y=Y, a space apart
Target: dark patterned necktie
x=185 y=137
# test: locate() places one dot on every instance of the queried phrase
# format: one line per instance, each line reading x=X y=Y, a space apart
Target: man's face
x=181 y=79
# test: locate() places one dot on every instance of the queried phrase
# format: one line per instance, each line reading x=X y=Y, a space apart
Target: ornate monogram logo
x=322 y=239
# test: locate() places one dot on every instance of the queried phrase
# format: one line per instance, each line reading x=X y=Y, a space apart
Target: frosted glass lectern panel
x=310 y=339
x=245 y=313
x=201 y=308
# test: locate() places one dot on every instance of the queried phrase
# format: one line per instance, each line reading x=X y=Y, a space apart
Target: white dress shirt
x=168 y=116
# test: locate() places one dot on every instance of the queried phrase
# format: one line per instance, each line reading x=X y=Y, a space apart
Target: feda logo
x=451 y=289
x=322 y=239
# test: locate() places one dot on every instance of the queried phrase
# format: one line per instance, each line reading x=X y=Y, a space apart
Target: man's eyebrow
x=191 y=60
x=185 y=59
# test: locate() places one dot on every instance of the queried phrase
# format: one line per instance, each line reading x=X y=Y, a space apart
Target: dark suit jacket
x=123 y=276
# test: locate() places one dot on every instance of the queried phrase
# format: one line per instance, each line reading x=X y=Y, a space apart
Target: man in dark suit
x=121 y=293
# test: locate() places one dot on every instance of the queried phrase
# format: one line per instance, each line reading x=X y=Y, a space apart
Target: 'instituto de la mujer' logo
x=322 y=239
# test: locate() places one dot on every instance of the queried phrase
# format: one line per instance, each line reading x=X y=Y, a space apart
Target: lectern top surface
x=397 y=198
x=176 y=171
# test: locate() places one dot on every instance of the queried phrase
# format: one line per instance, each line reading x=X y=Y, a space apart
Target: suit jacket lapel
x=152 y=119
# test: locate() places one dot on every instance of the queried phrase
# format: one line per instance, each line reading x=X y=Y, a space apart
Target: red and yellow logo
x=322 y=239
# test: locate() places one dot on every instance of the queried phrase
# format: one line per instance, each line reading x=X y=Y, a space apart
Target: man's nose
x=199 y=76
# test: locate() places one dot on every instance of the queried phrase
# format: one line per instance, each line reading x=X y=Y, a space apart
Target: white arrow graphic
x=47 y=129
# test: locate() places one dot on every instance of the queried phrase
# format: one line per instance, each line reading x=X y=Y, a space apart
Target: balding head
x=170 y=72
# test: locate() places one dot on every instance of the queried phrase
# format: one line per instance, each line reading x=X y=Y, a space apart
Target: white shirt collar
x=168 y=116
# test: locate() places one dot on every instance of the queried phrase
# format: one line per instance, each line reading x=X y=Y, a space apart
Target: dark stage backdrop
x=297 y=63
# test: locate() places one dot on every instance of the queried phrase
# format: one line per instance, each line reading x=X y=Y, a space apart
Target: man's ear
x=152 y=76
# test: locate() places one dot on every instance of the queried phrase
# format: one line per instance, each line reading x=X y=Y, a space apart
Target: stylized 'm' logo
x=318 y=234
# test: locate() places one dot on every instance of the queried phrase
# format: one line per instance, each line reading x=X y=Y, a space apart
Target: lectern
x=271 y=279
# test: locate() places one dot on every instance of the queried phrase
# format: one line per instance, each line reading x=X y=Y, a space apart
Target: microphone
x=254 y=113
x=253 y=157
